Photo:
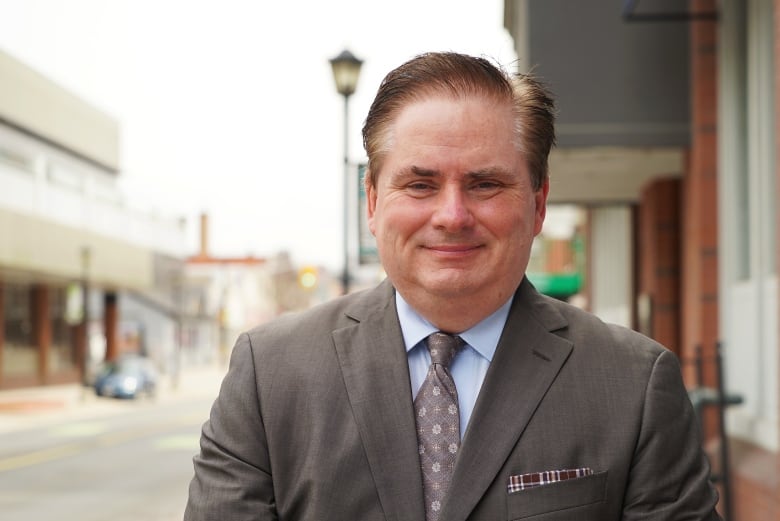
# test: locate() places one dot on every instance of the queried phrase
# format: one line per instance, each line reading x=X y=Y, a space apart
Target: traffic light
x=308 y=277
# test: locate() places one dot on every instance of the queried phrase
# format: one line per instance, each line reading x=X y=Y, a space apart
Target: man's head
x=457 y=183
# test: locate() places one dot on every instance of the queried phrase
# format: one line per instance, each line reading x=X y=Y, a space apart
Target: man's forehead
x=392 y=135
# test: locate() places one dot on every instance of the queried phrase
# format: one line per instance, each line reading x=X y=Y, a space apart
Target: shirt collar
x=483 y=337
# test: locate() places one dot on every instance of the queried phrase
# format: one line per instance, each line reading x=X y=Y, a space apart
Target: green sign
x=560 y=285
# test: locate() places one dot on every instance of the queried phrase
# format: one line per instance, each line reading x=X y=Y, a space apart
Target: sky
x=229 y=107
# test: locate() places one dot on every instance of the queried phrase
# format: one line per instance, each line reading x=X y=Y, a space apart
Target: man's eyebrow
x=482 y=173
x=489 y=172
x=423 y=172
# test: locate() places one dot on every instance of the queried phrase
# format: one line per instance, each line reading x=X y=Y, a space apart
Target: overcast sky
x=229 y=106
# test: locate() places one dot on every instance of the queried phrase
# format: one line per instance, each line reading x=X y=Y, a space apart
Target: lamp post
x=346 y=70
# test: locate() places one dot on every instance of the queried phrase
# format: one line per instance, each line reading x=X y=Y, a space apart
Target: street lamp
x=346 y=70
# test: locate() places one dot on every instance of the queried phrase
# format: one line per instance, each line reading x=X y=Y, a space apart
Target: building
x=224 y=296
x=75 y=259
x=668 y=135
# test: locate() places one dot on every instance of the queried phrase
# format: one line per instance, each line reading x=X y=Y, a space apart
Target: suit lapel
x=376 y=375
x=527 y=361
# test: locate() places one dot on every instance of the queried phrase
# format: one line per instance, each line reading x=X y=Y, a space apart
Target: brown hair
x=460 y=75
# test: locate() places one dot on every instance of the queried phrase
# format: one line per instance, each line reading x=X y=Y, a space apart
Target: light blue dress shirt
x=469 y=367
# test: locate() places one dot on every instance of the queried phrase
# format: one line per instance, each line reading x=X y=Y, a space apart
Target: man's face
x=454 y=211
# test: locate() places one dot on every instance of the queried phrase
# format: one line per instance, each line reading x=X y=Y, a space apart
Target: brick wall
x=659 y=262
x=41 y=328
x=111 y=325
x=700 y=208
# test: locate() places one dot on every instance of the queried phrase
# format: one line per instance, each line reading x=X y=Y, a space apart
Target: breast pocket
x=558 y=497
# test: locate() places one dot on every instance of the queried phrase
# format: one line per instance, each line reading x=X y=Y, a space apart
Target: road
x=132 y=465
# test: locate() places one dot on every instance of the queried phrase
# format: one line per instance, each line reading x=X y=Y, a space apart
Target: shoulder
x=593 y=338
x=583 y=322
x=615 y=359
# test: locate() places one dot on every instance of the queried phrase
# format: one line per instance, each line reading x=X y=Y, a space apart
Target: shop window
x=20 y=355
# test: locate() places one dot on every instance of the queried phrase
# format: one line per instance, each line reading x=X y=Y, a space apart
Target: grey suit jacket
x=314 y=421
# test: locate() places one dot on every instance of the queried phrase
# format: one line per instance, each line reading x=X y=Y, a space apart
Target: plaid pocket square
x=535 y=479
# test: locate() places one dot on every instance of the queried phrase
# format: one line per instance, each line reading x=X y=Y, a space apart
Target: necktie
x=438 y=422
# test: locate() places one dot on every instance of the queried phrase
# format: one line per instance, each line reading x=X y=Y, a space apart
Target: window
x=20 y=355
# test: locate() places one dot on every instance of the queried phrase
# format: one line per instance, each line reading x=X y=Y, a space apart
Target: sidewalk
x=48 y=405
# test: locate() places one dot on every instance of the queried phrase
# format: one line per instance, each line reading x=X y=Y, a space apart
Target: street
x=133 y=463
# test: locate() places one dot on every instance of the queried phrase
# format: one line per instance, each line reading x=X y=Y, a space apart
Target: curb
x=46 y=405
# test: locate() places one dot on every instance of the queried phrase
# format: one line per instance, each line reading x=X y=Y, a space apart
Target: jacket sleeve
x=233 y=479
x=670 y=474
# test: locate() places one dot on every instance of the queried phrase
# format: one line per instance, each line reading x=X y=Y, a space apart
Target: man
x=545 y=413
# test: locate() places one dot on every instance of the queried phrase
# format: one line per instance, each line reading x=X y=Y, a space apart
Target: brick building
x=668 y=135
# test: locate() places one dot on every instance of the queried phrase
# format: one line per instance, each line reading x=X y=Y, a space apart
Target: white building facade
x=66 y=232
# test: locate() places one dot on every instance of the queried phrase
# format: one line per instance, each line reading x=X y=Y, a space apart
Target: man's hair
x=459 y=76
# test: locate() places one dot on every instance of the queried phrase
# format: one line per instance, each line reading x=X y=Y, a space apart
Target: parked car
x=127 y=377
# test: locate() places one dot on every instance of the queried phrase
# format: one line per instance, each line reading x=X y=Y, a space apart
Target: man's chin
x=451 y=285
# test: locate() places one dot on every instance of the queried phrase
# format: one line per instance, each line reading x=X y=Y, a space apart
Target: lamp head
x=346 y=70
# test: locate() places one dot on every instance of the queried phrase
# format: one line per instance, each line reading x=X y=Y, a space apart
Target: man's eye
x=486 y=185
x=420 y=186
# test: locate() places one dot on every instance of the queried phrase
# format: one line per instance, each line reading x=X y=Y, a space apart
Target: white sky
x=229 y=106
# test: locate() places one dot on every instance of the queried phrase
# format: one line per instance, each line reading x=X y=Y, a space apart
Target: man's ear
x=540 y=199
x=370 y=202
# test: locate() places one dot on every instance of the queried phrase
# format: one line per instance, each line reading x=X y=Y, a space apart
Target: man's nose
x=453 y=212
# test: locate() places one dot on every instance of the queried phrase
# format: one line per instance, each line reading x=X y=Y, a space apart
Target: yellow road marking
x=39 y=456
x=107 y=439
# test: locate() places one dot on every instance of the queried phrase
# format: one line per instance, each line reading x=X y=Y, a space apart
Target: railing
x=717 y=398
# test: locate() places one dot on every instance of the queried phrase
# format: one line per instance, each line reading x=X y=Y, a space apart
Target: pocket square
x=535 y=479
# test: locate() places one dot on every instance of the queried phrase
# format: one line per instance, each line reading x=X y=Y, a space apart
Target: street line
x=104 y=440
x=39 y=456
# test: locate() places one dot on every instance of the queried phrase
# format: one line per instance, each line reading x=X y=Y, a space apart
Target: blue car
x=127 y=377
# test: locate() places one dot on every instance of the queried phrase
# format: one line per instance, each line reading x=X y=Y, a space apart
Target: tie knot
x=443 y=347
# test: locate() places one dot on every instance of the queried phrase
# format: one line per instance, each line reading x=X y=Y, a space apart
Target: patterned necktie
x=438 y=422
